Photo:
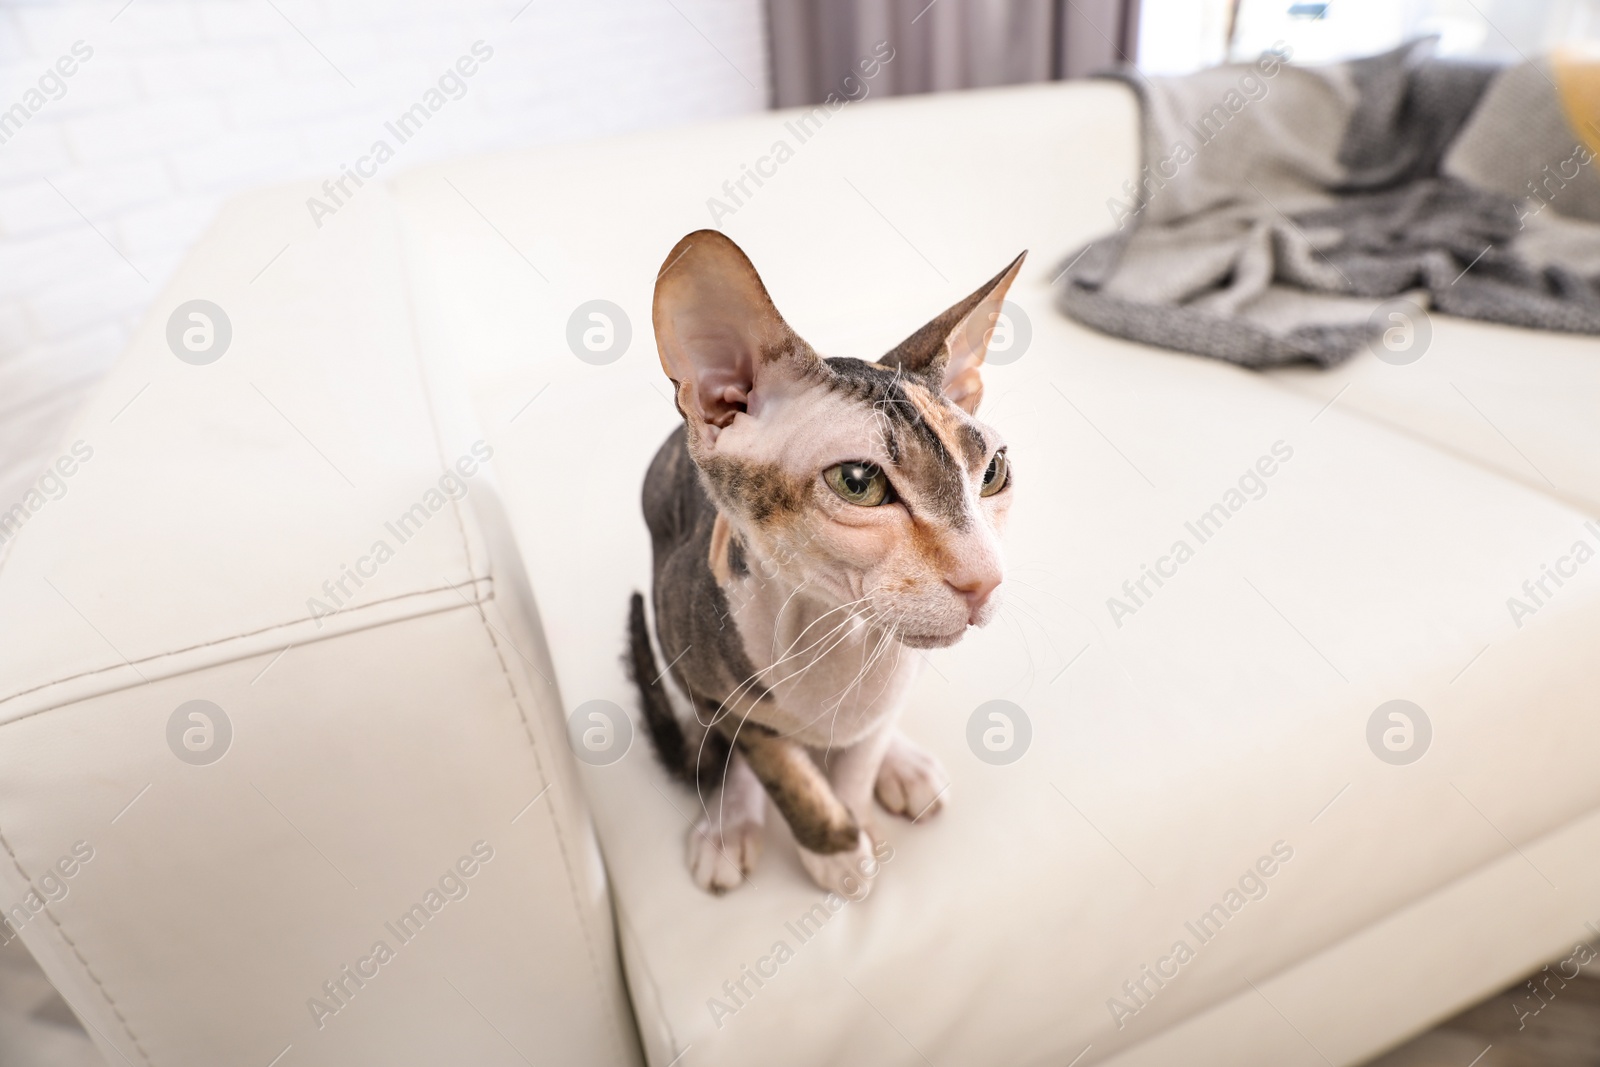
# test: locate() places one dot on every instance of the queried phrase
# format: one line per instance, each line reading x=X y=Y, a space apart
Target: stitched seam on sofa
x=555 y=821
x=98 y=984
x=379 y=624
x=357 y=612
x=649 y=976
x=546 y=779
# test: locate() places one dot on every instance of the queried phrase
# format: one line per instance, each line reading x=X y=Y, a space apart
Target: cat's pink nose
x=975 y=589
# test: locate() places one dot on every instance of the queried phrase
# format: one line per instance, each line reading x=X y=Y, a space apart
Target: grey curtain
x=829 y=46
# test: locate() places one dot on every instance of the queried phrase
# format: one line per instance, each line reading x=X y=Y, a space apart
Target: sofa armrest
x=283 y=768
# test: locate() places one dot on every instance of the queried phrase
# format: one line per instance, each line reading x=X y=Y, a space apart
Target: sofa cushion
x=1209 y=727
x=1519 y=403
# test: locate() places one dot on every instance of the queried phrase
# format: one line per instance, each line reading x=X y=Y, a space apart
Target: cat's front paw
x=912 y=783
x=722 y=859
x=850 y=873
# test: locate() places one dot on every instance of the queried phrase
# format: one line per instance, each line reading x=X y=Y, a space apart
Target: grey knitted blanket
x=1281 y=209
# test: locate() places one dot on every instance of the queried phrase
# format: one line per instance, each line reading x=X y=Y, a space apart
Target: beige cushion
x=1170 y=753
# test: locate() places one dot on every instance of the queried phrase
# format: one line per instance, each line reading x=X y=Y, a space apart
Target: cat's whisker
x=1092 y=622
x=886 y=637
x=1023 y=610
x=800 y=673
x=777 y=620
x=742 y=689
x=797 y=674
x=756 y=677
x=1027 y=650
x=867 y=663
x=839 y=634
x=832 y=639
x=1042 y=616
x=1022 y=591
x=860 y=676
x=846 y=607
x=840 y=629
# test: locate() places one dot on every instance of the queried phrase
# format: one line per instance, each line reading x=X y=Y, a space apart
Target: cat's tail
x=700 y=761
x=666 y=733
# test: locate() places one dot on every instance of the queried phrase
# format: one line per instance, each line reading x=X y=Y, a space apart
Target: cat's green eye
x=863 y=484
x=997 y=476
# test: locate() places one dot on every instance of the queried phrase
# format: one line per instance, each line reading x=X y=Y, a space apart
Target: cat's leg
x=852 y=772
x=799 y=790
x=911 y=783
x=725 y=844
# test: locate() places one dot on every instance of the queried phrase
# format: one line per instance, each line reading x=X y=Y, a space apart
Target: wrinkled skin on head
x=782 y=437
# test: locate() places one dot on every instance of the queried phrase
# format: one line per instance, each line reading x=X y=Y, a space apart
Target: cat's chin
x=932 y=640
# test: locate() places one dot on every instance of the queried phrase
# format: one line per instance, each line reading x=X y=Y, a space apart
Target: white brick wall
x=185 y=102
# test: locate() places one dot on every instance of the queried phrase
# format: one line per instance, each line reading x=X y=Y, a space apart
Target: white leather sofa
x=1211 y=749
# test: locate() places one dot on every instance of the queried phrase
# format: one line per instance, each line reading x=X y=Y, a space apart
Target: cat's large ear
x=721 y=340
x=949 y=350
